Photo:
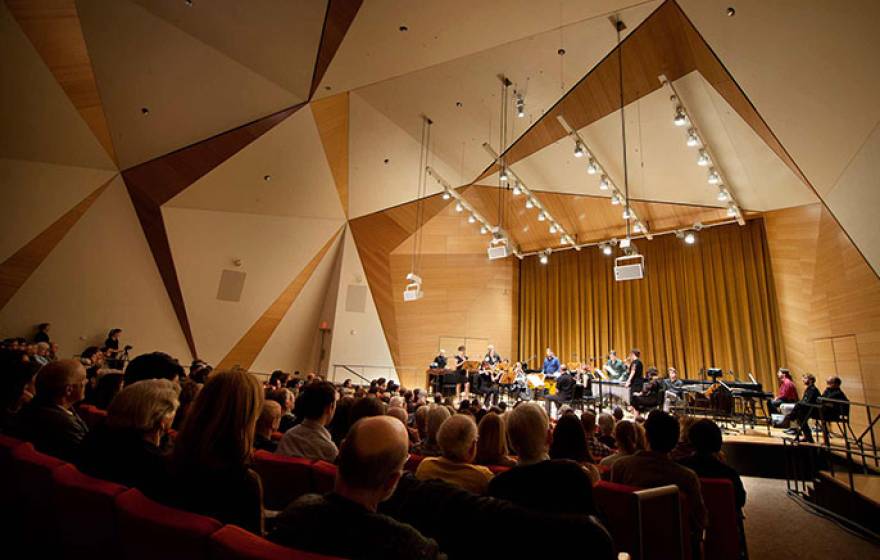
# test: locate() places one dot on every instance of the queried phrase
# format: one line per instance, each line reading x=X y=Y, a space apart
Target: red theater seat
x=722 y=534
x=86 y=514
x=276 y=436
x=92 y=415
x=7 y=480
x=284 y=478
x=631 y=516
x=234 y=543
x=150 y=531
x=498 y=469
x=32 y=472
x=412 y=463
x=323 y=477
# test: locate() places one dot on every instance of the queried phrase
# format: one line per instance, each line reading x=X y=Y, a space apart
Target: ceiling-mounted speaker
x=231 y=285
x=630 y=267
x=356 y=298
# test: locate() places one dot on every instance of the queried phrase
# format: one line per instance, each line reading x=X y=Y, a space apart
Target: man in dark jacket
x=50 y=421
x=805 y=408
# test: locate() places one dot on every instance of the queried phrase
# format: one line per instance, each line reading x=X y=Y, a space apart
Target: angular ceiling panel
x=100 y=275
x=36 y=194
x=299 y=183
x=272 y=250
x=38 y=120
x=278 y=40
x=463 y=96
x=190 y=90
x=375 y=48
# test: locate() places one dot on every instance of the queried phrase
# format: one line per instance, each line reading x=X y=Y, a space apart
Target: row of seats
x=50 y=507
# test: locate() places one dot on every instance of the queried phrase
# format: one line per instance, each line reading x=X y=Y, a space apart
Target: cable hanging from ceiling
x=413 y=289
x=681 y=117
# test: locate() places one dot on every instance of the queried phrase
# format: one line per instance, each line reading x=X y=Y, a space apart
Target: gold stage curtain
x=711 y=304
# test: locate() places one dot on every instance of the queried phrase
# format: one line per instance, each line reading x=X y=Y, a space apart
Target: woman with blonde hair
x=492 y=442
x=630 y=438
x=126 y=447
x=210 y=465
x=437 y=414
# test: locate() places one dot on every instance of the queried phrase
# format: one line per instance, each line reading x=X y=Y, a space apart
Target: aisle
x=778 y=527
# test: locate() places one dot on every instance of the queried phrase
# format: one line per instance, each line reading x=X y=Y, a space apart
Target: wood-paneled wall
x=829 y=300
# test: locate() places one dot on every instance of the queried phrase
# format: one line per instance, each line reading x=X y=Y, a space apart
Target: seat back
x=412 y=462
x=323 y=477
x=498 y=469
x=7 y=480
x=149 y=530
x=86 y=514
x=32 y=472
x=660 y=541
x=234 y=543
x=92 y=415
x=722 y=534
x=619 y=509
x=284 y=478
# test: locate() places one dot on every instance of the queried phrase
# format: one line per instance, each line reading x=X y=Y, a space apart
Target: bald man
x=49 y=421
x=457 y=438
x=344 y=522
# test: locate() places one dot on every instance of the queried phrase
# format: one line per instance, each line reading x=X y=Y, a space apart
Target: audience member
x=42 y=332
x=126 y=448
x=570 y=442
x=617 y=413
x=155 y=365
x=652 y=468
x=683 y=448
x=366 y=407
x=492 y=442
x=630 y=438
x=109 y=385
x=267 y=424
x=400 y=414
x=458 y=445
x=310 y=439
x=49 y=421
x=17 y=385
x=210 y=465
x=598 y=450
x=341 y=421
x=278 y=379
x=420 y=417
x=606 y=430
x=528 y=428
x=705 y=436
x=189 y=390
x=370 y=465
x=285 y=398
x=437 y=414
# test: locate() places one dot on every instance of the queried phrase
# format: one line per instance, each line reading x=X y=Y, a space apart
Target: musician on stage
x=461 y=378
x=787 y=392
x=487 y=379
x=635 y=373
x=564 y=392
x=672 y=389
x=614 y=367
x=492 y=358
x=440 y=361
x=551 y=364
x=520 y=386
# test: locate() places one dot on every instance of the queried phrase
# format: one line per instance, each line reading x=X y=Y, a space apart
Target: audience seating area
x=62 y=509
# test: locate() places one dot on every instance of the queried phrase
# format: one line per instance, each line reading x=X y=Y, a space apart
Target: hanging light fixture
x=484 y=230
x=680 y=118
x=692 y=139
x=690 y=238
x=714 y=178
x=542 y=216
x=446 y=195
x=459 y=207
x=615 y=199
x=626 y=213
x=544 y=258
x=502 y=176
x=703 y=159
x=592 y=168
x=517 y=190
x=723 y=195
x=553 y=228
x=603 y=183
x=579 y=151
x=530 y=203
x=472 y=219
x=731 y=210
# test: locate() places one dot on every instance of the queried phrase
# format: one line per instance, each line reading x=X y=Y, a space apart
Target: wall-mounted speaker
x=231 y=285
x=356 y=298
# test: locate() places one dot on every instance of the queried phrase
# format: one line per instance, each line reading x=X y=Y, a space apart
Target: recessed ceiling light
x=731 y=11
x=403 y=28
x=458 y=104
x=328 y=88
x=145 y=111
x=561 y=52
x=267 y=178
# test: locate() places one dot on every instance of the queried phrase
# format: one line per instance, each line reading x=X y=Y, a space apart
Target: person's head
x=442 y=352
x=146 y=408
x=809 y=379
x=109 y=385
x=114 y=334
x=421 y=420
x=199 y=372
x=661 y=430
x=833 y=382
x=397 y=412
x=588 y=421
x=341 y=421
x=461 y=349
x=629 y=436
x=155 y=365
x=457 y=438
x=397 y=402
x=347 y=383
x=366 y=408
x=491 y=440
x=634 y=354
x=548 y=353
x=490 y=349
x=42 y=348
x=685 y=422
x=437 y=414
x=570 y=441
x=219 y=428
x=606 y=424
x=503 y=407
x=270 y=418
x=53 y=348
x=672 y=374
x=705 y=436
x=92 y=355
x=783 y=374
x=652 y=373
x=317 y=402
x=278 y=378
x=62 y=383
x=283 y=397
x=371 y=460
x=612 y=355
x=43 y=327
x=617 y=413
x=17 y=375
x=528 y=431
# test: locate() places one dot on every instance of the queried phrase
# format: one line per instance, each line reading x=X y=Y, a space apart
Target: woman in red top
x=787 y=392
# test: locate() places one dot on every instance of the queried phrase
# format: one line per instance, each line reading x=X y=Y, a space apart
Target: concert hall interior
x=263 y=225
